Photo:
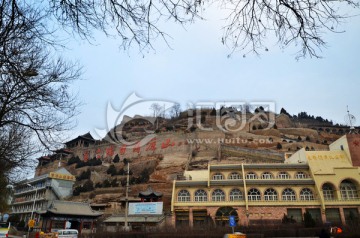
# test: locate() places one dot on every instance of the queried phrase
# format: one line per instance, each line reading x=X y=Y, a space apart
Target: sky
x=197 y=69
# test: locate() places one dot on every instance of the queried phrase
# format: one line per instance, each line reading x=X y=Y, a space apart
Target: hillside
x=100 y=166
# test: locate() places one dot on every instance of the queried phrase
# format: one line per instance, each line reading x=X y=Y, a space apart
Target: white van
x=4 y=229
x=68 y=233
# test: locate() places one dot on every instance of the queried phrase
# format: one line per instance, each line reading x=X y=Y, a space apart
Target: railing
x=31 y=200
x=29 y=189
x=28 y=210
x=250 y=201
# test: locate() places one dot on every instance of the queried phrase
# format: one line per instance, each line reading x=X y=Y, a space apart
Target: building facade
x=324 y=183
x=32 y=196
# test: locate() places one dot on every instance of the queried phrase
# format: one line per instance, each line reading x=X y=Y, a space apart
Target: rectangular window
x=351 y=216
x=182 y=218
x=295 y=213
x=315 y=214
x=333 y=215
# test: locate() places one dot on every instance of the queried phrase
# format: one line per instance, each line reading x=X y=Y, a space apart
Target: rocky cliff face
x=175 y=148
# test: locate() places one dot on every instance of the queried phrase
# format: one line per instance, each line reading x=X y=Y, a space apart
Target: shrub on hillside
x=106 y=184
x=88 y=186
x=114 y=183
x=116 y=159
x=73 y=160
x=111 y=170
x=91 y=162
x=84 y=175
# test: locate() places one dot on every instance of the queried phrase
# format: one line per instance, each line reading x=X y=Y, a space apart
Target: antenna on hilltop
x=350 y=120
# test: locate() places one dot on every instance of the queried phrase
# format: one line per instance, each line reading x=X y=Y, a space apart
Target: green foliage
x=4 y=193
x=169 y=128
x=84 y=175
x=286 y=220
x=111 y=170
x=192 y=128
x=14 y=218
x=21 y=223
x=106 y=184
x=145 y=176
x=91 y=162
x=114 y=183
x=116 y=159
x=92 y=195
x=283 y=111
x=98 y=185
x=73 y=160
x=88 y=186
x=308 y=220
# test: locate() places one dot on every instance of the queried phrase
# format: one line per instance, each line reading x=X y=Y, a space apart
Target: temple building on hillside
x=70 y=215
x=150 y=196
x=324 y=183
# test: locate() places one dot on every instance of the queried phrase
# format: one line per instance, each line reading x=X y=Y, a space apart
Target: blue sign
x=232 y=221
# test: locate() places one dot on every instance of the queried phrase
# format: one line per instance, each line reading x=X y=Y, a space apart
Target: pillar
x=191 y=218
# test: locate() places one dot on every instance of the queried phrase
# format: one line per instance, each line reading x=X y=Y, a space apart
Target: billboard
x=145 y=208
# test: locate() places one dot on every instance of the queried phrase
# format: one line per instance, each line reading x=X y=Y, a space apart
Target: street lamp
x=33 y=208
x=127 y=199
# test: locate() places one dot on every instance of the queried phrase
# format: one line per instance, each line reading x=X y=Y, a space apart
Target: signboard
x=232 y=221
x=62 y=176
x=145 y=208
x=31 y=223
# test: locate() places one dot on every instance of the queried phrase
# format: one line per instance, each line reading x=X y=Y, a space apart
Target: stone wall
x=257 y=155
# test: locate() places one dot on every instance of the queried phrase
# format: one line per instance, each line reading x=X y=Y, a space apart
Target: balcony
x=262 y=202
x=24 y=200
x=353 y=201
x=16 y=210
x=29 y=189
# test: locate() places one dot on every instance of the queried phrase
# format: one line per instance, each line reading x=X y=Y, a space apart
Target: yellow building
x=324 y=183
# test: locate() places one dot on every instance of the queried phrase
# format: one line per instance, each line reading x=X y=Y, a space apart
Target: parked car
x=4 y=229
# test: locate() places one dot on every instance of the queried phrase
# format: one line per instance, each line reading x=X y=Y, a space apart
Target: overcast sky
x=196 y=68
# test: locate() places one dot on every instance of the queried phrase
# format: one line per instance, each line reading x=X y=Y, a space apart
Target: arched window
x=234 y=175
x=200 y=196
x=328 y=191
x=301 y=175
x=270 y=195
x=348 y=190
x=283 y=175
x=218 y=176
x=254 y=195
x=236 y=195
x=218 y=195
x=251 y=175
x=267 y=175
x=288 y=195
x=183 y=196
x=306 y=194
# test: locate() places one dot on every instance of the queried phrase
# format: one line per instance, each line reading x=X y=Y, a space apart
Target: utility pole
x=33 y=208
x=127 y=199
